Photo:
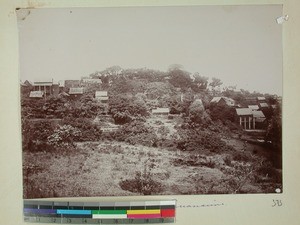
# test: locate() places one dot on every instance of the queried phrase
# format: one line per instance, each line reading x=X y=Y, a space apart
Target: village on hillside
x=122 y=132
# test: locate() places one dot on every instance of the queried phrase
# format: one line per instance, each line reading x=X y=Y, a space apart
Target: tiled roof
x=263 y=105
x=228 y=101
x=44 y=82
x=215 y=100
x=243 y=111
x=261 y=98
x=258 y=114
x=103 y=98
x=253 y=107
x=36 y=94
x=75 y=91
x=63 y=94
x=91 y=81
x=161 y=110
x=101 y=94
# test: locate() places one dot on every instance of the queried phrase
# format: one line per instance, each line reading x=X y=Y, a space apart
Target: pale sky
x=241 y=45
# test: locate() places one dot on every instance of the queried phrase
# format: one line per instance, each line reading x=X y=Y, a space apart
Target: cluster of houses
x=67 y=88
x=250 y=116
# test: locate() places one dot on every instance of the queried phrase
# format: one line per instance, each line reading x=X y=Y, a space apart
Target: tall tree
x=180 y=78
x=216 y=82
x=200 y=82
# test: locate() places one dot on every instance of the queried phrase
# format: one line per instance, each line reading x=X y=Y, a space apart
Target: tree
x=200 y=82
x=120 y=85
x=274 y=135
x=175 y=66
x=216 y=82
x=124 y=110
x=180 y=78
x=221 y=112
x=196 y=111
x=155 y=90
x=175 y=105
x=34 y=135
x=112 y=71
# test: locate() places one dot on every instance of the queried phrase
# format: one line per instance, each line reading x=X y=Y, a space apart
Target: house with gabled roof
x=101 y=96
x=161 y=111
x=26 y=87
x=250 y=119
x=28 y=83
x=263 y=105
x=45 y=85
x=259 y=120
x=253 y=107
x=90 y=81
x=261 y=98
x=76 y=92
x=223 y=101
x=36 y=94
x=71 y=84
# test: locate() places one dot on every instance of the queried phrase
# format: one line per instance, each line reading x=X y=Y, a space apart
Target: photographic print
x=150 y=100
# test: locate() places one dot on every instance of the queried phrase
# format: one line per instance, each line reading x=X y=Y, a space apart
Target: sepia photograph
x=130 y=101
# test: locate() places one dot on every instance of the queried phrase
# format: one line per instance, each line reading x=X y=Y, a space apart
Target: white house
x=101 y=96
x=161 y=111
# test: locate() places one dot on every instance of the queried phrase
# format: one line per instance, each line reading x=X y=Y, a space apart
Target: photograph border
x=246 y=209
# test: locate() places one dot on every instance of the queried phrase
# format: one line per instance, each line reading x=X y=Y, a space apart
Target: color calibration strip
x=139 y=212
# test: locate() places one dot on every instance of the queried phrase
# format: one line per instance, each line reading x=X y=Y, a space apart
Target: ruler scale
x=137 y=212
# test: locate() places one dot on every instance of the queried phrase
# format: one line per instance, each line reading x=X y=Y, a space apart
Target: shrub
x=170 y=117
x=222 y=112
x=35 y=134
x=197 y=140
x=136 y=132
x=124 y=110
x=228 y=160
x=64 y=136
x=89 y=130
x=237 y=156
x=269 y=171
x=142 y=182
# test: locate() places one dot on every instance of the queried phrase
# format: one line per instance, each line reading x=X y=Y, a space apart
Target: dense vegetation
x=57 y=123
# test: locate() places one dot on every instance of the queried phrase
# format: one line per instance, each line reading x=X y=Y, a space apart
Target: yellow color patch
x=144 y=211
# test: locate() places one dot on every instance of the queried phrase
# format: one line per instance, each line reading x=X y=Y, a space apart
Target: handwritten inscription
x=202 y=205
x=277 y=203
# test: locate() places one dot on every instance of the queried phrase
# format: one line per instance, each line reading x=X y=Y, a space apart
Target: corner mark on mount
x=22 y=13
x=282 y=19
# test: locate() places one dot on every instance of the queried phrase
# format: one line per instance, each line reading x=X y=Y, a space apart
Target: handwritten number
x=277 y=203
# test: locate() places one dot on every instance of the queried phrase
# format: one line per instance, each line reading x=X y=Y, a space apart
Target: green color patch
x=109 y=211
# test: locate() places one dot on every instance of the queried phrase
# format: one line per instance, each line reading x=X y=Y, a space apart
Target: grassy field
x=119 y=169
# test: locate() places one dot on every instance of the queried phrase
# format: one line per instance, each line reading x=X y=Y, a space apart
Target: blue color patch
x=74 y=212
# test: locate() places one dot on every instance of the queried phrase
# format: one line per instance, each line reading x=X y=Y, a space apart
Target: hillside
x=141 y=131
